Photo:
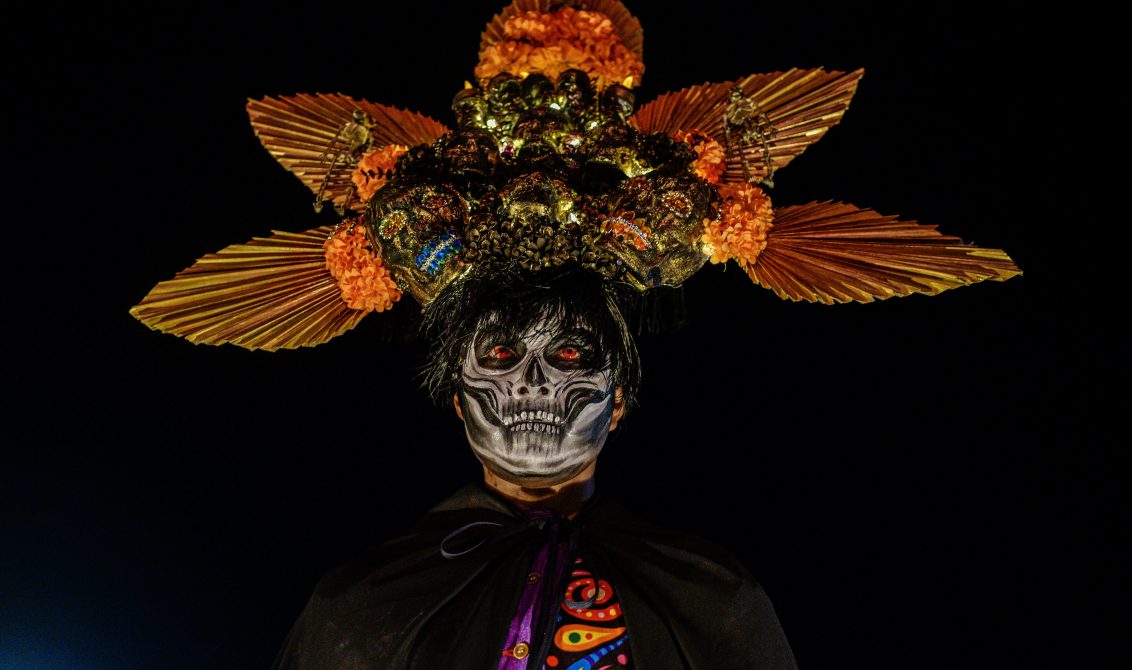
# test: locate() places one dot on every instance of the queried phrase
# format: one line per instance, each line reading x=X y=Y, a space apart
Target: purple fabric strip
x=520 y=630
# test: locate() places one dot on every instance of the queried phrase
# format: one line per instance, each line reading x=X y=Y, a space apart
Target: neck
x=566 y=498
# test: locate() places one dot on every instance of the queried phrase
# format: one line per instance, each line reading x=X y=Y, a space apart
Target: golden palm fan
x=800 y=105
x=832 y=252
x=270 y=293
x=320 y=138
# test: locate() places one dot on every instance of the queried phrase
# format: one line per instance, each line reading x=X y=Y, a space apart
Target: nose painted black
x=533 y=377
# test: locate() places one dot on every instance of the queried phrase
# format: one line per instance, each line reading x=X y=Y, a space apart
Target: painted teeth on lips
x=539 y=416
x=535 y=427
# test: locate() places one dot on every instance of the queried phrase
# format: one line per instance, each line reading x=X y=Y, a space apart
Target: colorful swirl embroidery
x=589 y=627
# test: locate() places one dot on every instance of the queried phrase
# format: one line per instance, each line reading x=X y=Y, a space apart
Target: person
x=525 y=233
x=531 y=567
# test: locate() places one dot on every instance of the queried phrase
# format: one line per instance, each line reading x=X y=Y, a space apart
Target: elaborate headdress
x=552 y=165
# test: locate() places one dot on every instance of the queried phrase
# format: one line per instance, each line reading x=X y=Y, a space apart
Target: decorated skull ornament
x=416 y=227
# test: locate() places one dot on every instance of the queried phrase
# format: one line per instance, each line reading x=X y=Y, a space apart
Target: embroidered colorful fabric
x=590 y=637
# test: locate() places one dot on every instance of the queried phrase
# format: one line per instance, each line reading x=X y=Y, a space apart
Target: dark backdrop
x=908 y=479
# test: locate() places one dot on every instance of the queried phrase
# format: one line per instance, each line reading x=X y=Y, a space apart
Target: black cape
x=687 y=603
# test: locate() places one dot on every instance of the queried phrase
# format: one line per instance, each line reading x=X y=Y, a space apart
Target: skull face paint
x=537 y=408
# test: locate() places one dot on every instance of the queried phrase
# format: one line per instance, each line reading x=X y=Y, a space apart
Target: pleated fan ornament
x=551 y=165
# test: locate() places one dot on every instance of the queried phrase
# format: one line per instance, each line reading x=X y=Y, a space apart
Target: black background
x=918 y=483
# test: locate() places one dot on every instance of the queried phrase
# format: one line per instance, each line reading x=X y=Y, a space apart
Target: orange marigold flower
x=711 y=159
x=554 y=42
x=375 y=168
x=364 y=281
x=741 y=233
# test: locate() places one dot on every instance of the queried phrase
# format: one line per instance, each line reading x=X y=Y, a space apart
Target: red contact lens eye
x=502 y=352
x=569 y=353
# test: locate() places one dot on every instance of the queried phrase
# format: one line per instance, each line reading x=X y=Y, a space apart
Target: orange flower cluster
x=363 y=280
x=711 y=159
x=375 y=168
x=741 y=232
x=554 y=42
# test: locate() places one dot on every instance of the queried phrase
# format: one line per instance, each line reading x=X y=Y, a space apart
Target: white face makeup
x=534 y=410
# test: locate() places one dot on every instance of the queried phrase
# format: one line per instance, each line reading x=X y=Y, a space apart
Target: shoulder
x=687 y=596
x=367 y=612
x=417 y=552
x=617 y=526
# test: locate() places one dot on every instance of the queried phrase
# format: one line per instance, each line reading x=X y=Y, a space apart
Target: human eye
x=570 y=355
x=501 y=352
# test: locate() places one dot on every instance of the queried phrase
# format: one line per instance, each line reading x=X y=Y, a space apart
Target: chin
x=537 y=475
x=535 y=480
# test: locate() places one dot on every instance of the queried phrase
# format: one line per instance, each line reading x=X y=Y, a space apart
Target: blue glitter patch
x=439 y=251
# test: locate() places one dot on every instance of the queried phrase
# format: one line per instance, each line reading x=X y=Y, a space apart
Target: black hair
x=512 y=301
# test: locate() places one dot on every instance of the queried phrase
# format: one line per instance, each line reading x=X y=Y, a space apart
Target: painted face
x=535 y=411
